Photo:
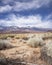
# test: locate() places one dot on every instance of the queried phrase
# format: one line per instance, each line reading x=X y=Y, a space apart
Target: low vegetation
x=35 y=42
x=4 y=44
x=46 y=53
x=26 y=49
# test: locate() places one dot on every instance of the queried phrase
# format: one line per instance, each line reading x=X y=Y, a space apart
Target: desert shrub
x=48 y=48
x=5 y=37
x=17 y=37
x=5 y=44
x=35 y=42
x=2 y=59
x=31 y=35
x=10 y=61
x=46 y=53
x=12 y=36
x=8 y=38
x=25 y=38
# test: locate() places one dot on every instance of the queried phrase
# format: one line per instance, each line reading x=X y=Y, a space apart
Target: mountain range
x=16 y=29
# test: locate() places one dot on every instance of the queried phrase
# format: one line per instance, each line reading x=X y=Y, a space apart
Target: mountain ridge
x=16 y=29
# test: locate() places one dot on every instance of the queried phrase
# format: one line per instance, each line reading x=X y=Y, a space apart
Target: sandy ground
x=21 y=53
x=26 y=54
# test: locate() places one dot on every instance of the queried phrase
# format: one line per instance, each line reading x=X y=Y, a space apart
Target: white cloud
x=33 y=21
x=49 y=17
x=7 y=1
x=29 y=5
x=36 y=20
x=45 y=24
x=6 y=8
x=20 y=6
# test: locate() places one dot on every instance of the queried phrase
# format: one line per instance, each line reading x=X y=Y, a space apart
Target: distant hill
x=15 y=29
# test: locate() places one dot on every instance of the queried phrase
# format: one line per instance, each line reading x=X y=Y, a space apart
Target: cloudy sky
x=24 y=13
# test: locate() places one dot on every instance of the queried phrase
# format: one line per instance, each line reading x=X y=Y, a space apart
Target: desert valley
x=25 y=32
x=26 y=48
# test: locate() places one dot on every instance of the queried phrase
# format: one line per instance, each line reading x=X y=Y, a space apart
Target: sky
x=24 y=13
